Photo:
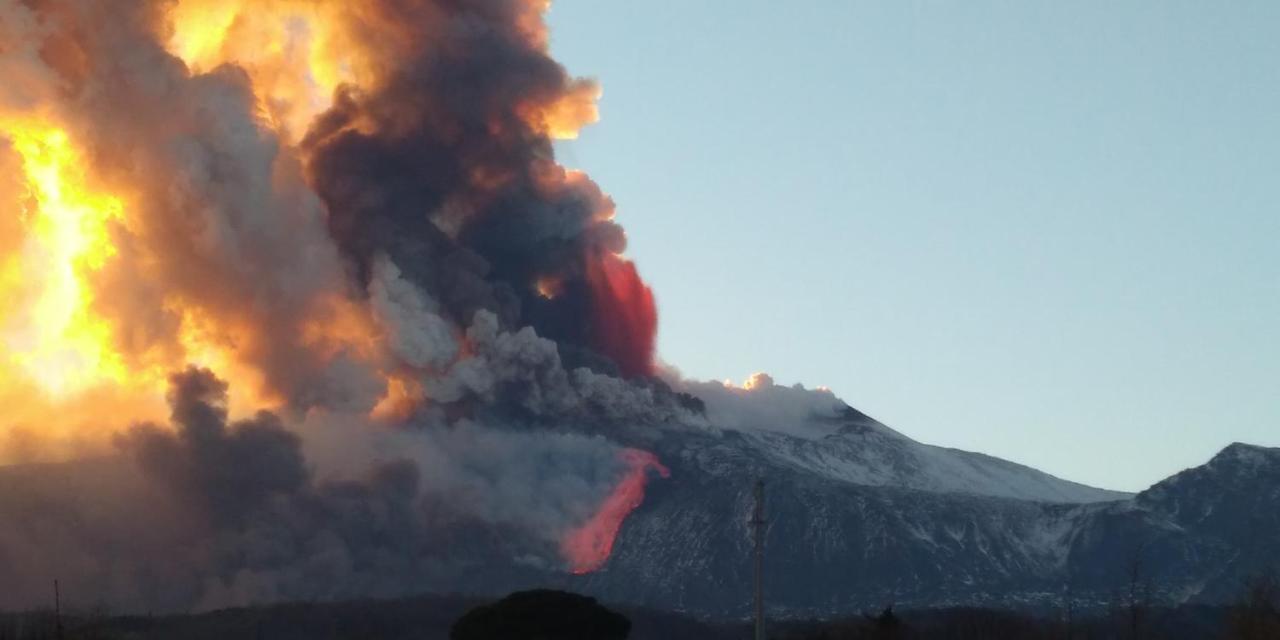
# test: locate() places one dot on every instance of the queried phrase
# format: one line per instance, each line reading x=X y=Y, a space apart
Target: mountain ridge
x=860 y=516
x=862 y=450
x=839 y=546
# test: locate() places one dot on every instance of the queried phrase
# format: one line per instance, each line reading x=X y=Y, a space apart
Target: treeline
x=1189 y=622
x=1255 y=616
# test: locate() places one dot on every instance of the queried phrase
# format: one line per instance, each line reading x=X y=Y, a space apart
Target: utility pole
x=757 y=527
x=57 y=611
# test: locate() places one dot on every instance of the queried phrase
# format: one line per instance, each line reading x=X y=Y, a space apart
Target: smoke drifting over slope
x=345 y=221
x=209 y=513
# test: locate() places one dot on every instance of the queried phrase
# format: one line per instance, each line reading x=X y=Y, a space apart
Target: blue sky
x=1044 y=231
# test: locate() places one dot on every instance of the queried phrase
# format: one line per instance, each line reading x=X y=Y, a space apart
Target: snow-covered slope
x=813 y=431
x=843 y=538
x=859 y=450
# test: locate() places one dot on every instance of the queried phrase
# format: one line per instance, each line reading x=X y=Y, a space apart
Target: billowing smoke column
x=212 y=512
x=212 y=207
x=445 y=167
x=350 y=214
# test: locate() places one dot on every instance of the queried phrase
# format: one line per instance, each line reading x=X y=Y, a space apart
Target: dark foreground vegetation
x=554 y=615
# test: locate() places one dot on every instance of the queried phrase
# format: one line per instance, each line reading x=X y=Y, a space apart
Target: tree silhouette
x=541 y=615
x=1257 y=615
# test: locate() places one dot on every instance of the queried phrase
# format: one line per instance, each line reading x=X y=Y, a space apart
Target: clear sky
x=1048 y=231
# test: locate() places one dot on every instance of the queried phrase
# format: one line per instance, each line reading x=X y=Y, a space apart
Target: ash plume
x=426 y=319
x=442 y=169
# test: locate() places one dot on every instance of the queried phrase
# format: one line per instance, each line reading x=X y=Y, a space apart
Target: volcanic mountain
x=861 y=517
x=298 y=304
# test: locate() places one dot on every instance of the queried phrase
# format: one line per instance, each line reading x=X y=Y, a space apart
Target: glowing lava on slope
x=589 y=546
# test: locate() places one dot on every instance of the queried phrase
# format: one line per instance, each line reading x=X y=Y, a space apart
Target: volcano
x=860 y=516
x=299 y=304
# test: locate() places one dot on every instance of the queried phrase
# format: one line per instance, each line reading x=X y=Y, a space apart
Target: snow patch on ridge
x=814 y=431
